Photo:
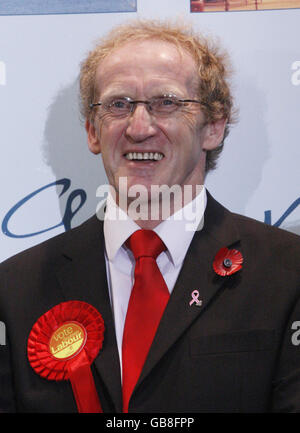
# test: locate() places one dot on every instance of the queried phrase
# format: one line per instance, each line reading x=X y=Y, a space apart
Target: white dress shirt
x=176 y=232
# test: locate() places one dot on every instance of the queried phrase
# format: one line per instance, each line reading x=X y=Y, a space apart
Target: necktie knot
x=145 y=243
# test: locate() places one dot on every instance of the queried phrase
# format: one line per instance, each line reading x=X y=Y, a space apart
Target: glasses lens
x=118 y=107
x=164 y=105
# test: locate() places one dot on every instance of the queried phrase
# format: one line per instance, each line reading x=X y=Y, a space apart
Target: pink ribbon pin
x=195 y=296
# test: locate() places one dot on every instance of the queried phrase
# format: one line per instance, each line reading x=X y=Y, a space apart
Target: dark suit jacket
x=233 y=354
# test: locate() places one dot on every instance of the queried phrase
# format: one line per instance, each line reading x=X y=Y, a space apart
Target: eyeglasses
x=161 y=106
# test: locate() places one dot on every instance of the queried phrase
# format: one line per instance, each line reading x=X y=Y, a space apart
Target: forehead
x=144 y=65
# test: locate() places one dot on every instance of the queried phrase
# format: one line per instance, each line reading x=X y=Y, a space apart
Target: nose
x=140 y=124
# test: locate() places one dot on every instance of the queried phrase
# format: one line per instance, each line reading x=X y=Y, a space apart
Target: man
x=196 y=320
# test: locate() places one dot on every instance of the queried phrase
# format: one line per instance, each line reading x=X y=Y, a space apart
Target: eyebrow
x=115 y=95
x=124 y=94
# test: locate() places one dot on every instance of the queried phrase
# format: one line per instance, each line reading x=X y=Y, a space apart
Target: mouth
x=144 y=156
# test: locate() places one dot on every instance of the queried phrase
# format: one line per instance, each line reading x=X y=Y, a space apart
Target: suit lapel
x=82 y=276
x=196 y=274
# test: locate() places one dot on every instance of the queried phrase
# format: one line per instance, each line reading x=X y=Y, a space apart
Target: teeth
x=144 y=156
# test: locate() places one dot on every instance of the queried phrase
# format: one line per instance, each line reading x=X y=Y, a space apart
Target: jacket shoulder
x=273 y=241
x=252 y=226
x=49 y=250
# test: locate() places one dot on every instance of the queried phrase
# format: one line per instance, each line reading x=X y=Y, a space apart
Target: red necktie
x=147 y=302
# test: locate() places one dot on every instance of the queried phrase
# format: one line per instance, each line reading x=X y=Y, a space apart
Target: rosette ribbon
x=62 y=345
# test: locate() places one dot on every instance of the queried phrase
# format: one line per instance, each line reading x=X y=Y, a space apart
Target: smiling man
x=143 y=110
x=196 y=320
x=149 y=126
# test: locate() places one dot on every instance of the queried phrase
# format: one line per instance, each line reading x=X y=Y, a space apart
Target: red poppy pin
x=227 y=262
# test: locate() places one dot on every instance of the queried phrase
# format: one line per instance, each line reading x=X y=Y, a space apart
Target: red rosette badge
x=227 y=262
x=62 y=345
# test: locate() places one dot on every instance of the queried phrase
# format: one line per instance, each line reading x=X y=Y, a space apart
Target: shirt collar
x=118 y=227
x=182 y=226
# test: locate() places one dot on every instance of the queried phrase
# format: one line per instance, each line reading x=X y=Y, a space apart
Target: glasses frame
x=148 y=103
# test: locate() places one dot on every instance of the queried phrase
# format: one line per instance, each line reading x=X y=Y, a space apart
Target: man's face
x=142 y=70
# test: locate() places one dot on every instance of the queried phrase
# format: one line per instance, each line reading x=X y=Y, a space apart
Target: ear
x=214 y=134
x=93 y=137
